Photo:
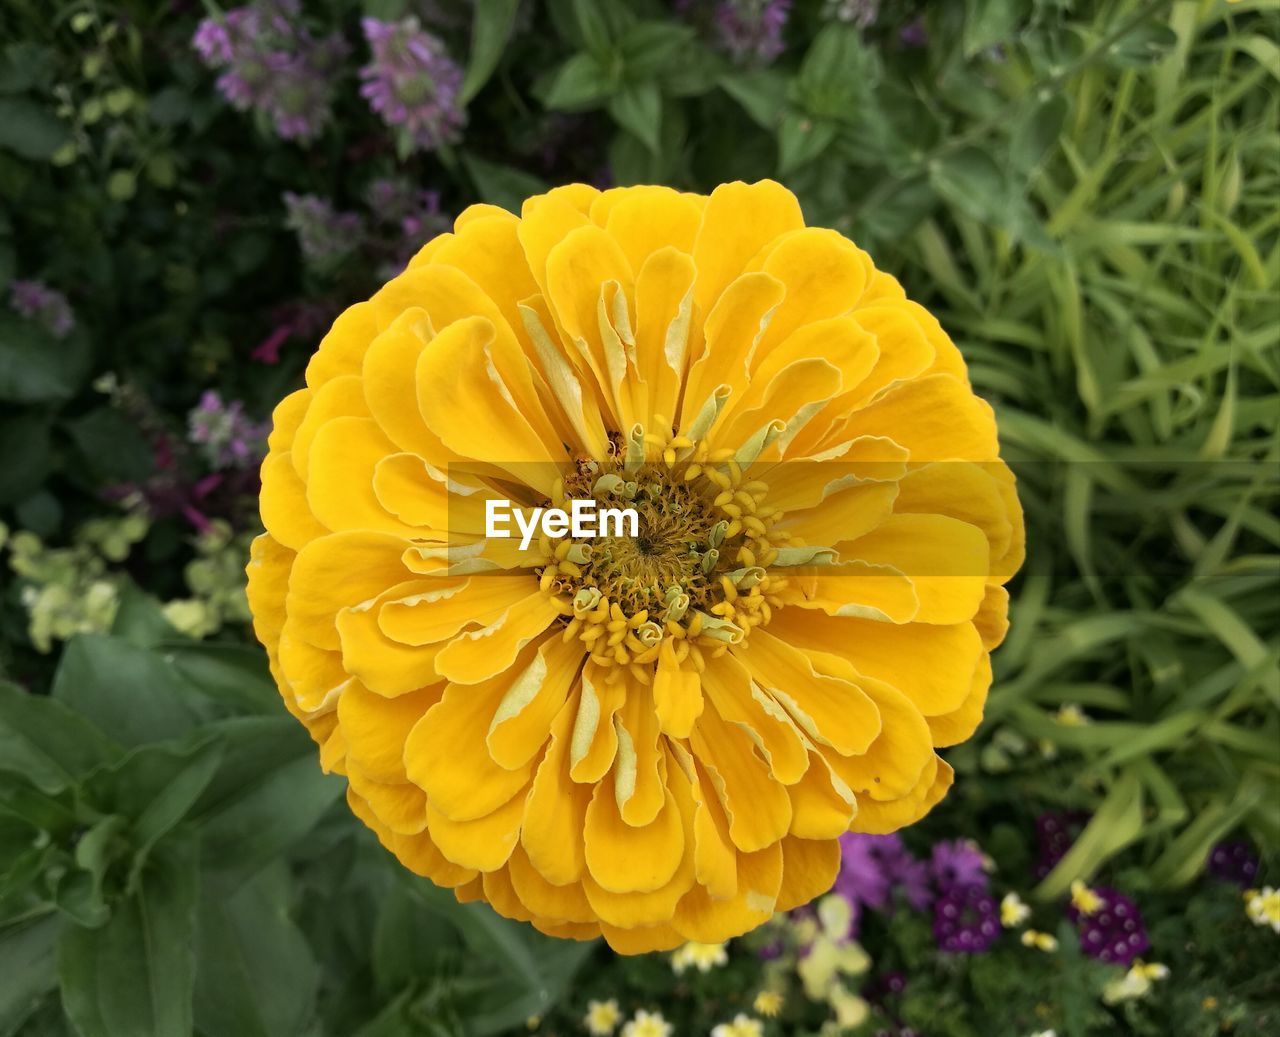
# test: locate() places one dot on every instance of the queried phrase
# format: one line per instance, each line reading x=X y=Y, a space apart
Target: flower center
x=697 y=572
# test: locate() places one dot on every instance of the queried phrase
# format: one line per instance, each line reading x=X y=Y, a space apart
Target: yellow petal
x=644 y=220
x=283 y=503
x=340 y=397
x=286 y=418
x=730 y=689
x=376 y=729
x=677 y=692
x=700 y=917
x=342 y=349
x=345 y=452
x=445 y=753
x=881 y=818
x=946 y=560
x=623 y=858
x=483 y=843
x=567 y=903
x=639 y=782
x=476 y=655
x=522 y=723
x=809 y=869
x=958 y=725
x=737 y=222
x=823 y=806
x=595 y=737
x=556 y=809
x=936 y=418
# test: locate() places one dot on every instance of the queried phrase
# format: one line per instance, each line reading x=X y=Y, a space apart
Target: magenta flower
x=957 y=863
x=226 y=435
x=412 y=83
x=1234 y=862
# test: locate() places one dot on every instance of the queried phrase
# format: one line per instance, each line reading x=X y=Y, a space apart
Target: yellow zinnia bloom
x=655 y=738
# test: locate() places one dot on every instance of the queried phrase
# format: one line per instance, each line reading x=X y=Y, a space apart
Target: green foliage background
x=1086 y=195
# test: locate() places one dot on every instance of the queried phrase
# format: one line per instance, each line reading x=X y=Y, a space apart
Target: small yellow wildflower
x=1263 y=906
x=1209 y=1004
x=1135 y=983
x=647 y=1024
x=702 y=956
x=1071 y=715
x=1042 y=941
x=850 y=1009
x=602 y=1017
x=1013 y=911
x=742 y=1026
x=768 y=1003
x=1083 y=899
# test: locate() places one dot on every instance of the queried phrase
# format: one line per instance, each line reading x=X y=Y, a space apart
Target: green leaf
x=649 y=48
x=580 y=83
x=139 y=618
x=28 y=965
x=1116 y=824
x=490 y=29
x=35 y=367
x=638 y=108
x=901 y=209
x=988 y=22
x=157 y=785
x=232 y=675
x=268 y=793
x=135 y=974
x=29 y=130
x=110 y=447
x=801 y=140
x=970 y=180
x=504 y=186
x=255 y=973
x=762 y=95
x=1144 y=45
x=836 y=75
x=25 y=66
x=1036 y=132
x=45 y=742
x=131 y=694
x=27 y=454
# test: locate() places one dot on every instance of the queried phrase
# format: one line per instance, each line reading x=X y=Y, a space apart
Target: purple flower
x=1233 y=861
x=36 y=301
x=412 y=82
x=1056 y=831
x=957 y=863
x=914 y=34
x=750 y=31
x=226 y=435
x=1113 y=932
x=966 y=920
x=273 y=64
x=325 y=235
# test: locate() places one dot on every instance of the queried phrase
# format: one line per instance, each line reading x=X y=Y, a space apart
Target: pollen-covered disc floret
x=657 y=735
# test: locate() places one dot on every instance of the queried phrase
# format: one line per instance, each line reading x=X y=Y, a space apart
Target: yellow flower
x=655 y=738
x=1085 y=900
x=1013 y=911
x=702 y=956
x=1039 y=940
x=647 y=1024
x=1263 y=907
x=602 y=1017
x=742 y=1026
x=768 y=1003
x=1072 y=715
x=1135 y=983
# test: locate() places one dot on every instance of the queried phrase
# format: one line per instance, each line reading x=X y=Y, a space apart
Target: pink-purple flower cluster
x=1233 y=861
x=48 y=307
x=225 y=434
x=325 y=235
x=273 y=64
x=412 y=83
x=1113 y=932
x=750 y=31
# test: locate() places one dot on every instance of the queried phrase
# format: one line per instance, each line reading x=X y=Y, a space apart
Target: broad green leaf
x=581 y=82
x=761 y=93
x=989 y=22
x=648 y=48
x=1143 y=45
x=255 y=973
x=35 y=367
x=135 y=974
x=971 y=180
x=45 y=742
x=132 y=694
x=140 y=619
x=28 y=965
x=1036 y=132
x=232 y=675
x=837 y=73
x=267 y=794
x=801 y=140
x=29 y=129
x=638 y=108
x=491 y=26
